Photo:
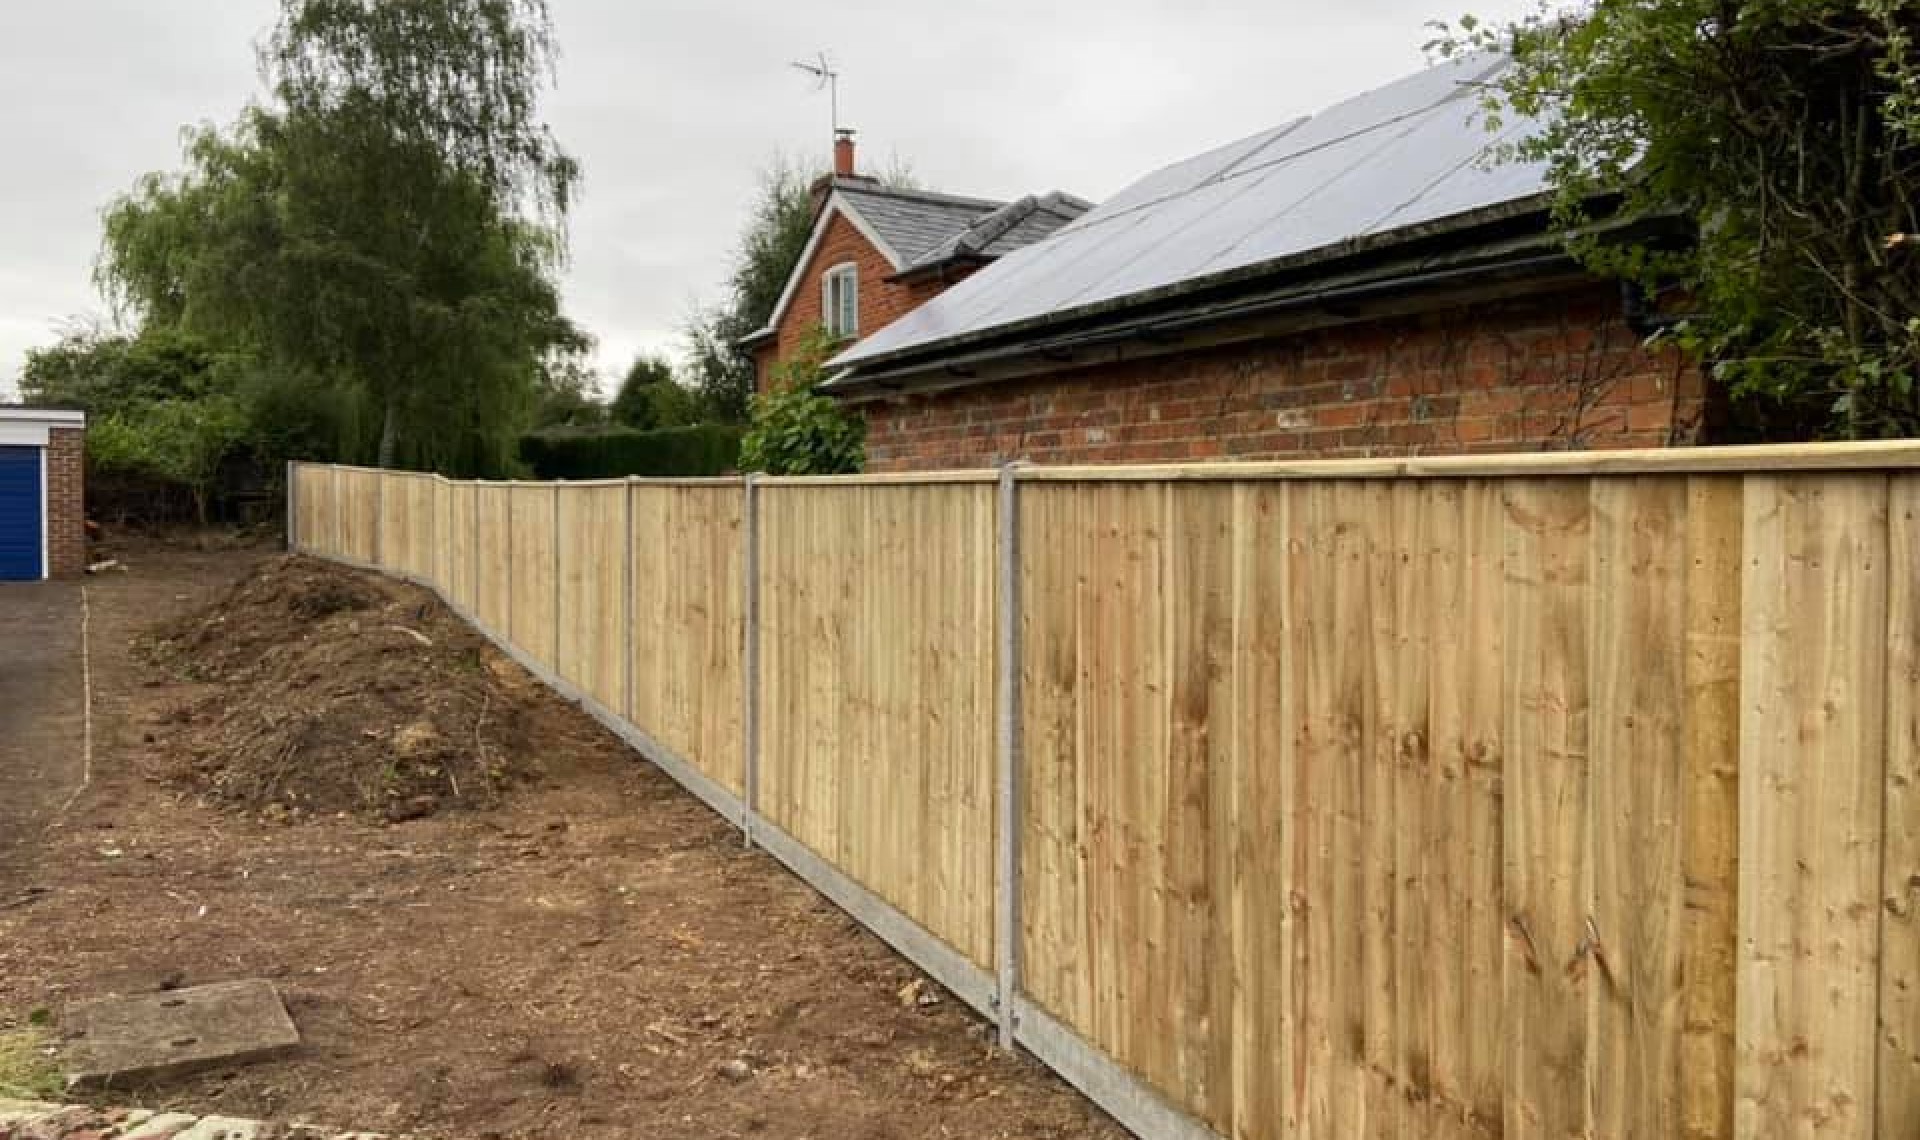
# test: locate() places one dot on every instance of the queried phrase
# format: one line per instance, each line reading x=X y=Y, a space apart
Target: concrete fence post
x=750 y=649
x=1007 y=877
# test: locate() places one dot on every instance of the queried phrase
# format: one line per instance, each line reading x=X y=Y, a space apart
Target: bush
x=608 y=453
x=798 y=431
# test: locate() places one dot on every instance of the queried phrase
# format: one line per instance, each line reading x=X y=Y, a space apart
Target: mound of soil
x=331 y=690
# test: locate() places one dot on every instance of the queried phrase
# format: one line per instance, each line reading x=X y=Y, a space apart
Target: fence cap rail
x=894 y=479
x=1759 y=459
x=1754 y=459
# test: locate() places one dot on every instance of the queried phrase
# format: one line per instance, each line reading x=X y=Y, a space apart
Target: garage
x=42 y=494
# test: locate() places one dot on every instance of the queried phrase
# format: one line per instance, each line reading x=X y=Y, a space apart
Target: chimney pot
x=843 y=152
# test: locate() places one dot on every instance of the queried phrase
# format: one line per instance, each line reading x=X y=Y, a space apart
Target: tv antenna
x=824 y=75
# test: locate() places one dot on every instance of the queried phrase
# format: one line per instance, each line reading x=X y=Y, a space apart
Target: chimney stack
x=843 y=152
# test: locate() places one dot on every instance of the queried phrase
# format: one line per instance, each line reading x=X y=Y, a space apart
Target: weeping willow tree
x=389 y=221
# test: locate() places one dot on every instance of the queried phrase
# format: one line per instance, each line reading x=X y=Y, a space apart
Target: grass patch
x=28 y=1068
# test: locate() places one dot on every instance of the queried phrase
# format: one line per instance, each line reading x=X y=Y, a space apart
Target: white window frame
x=830 y=311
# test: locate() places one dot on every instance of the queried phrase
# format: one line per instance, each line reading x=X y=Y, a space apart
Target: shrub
x=608 y=453
x=797 y=431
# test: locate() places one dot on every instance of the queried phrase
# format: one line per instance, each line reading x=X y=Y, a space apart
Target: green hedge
x=606 y=453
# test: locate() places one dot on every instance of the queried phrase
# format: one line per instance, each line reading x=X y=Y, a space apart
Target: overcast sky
x=673 y=105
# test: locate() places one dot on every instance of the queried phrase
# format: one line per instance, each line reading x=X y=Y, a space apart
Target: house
x=42 y=512
x=878 y=252
x=1365 y=281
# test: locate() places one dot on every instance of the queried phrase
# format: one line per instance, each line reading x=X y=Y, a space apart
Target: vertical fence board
x=1633 y=953
x=1547 y=813
x=1813 y=763
x=877 y=612
x=1405 y=1019
x=1268 y=1064
x=593 y=591
x=688 y=615
x=1899 y=1071
x=1711 y=775
x=1332 y=685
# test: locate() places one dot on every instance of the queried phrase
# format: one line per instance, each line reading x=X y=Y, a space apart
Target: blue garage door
x=19 y=514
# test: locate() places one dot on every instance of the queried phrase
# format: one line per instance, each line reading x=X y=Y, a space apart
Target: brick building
x=878 y=252
x=42 y=494
x=1359 y=283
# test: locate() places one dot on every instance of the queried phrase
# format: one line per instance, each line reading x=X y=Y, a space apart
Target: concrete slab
x=118 y=1041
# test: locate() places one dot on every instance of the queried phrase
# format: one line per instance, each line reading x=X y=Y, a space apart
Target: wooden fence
x=1534 y=796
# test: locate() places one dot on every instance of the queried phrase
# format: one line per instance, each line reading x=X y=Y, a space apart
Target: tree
x=795 y=429
x=569 y=394
x=1788 y=133
x=770 y=244
x=389 y=225
x=651 y=397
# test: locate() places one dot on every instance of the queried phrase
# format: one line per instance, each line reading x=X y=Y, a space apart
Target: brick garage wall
x=1554 y=371
x=882 y=302
x=66 y=502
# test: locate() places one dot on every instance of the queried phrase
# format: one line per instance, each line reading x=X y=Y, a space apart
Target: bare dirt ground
x=567 y=945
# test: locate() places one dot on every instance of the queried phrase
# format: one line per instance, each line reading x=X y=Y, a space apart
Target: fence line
x=1519 y=796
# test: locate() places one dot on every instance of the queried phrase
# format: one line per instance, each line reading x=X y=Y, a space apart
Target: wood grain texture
x=877 y=705
x=689 y=614
x=1636 y=946
x=593 y=619
x=1547 y=817
x=1710 y=845
x=1812 y=758
x=1899 y=1063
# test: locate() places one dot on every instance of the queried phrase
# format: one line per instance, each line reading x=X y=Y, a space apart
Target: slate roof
x=922 y=230
x=913 y=222
x=1001 y=231
x=1401 y=159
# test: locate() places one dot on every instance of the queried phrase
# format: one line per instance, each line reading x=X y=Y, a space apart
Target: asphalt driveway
x=42 y=715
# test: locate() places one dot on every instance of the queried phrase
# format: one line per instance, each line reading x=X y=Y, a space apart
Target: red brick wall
x=881 y=302
x=66 y=502
x=1554 y=371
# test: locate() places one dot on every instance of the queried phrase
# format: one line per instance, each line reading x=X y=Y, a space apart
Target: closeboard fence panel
x=689 y=623
x=593 y=592
x=316 y=509
x=877 y=711
x=359 y=514
x=461 y=537
x=494 y=561
x=1519 y=797
x=534 y=625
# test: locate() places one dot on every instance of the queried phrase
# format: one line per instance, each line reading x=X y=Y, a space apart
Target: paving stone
x=118 y=1041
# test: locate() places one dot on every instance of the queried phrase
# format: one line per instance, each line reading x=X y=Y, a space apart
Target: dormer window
x=840 y=300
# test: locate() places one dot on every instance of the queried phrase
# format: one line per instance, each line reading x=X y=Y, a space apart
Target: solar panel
x=1413 y=151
